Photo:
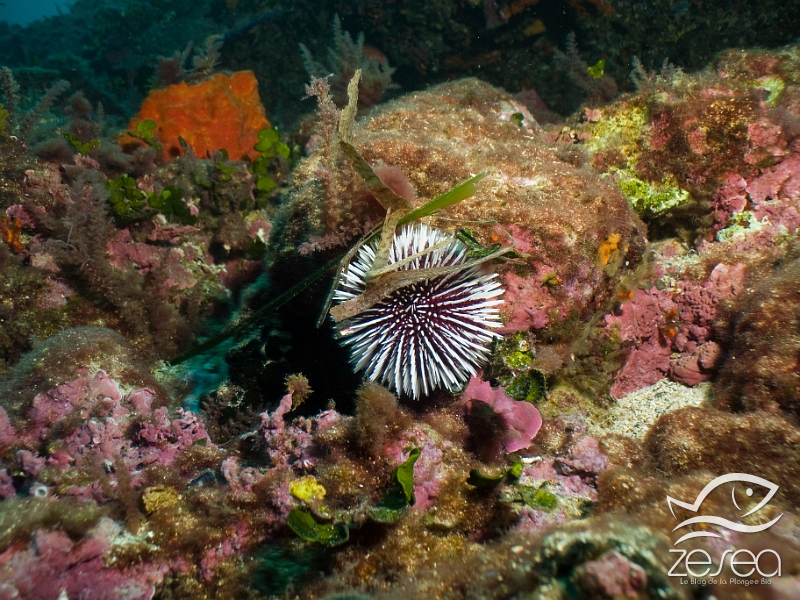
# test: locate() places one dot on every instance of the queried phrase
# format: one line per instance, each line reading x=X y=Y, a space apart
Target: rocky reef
x=172 y=425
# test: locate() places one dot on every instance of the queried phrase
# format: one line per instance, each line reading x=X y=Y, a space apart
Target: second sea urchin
x=427 y=335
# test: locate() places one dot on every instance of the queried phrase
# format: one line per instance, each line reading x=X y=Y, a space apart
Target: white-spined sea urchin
x=427 y=335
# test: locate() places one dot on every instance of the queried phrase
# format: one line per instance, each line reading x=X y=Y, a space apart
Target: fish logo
x=712 y=520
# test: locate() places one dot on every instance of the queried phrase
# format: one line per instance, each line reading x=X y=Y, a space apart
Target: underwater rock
x=86 y=450
x=54 y=566
x=695 y=438
x=611 y=576
x=668 y=329
x=579 y=231
x=87 y=422
x=80 y=350
x=724 y=142
x=80 y=266
x=689 y=142
x=83 y=450
x=638 y=322
x=589 y=554
x=698 y=366
x=560 y=485
x=761 y=368
x=105 y=489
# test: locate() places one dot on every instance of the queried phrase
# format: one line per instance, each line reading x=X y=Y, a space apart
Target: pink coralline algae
x=521 y=418
x=611 y=576
x=102 y=431
x=7 y=431
x=782 y=179
x=53 y=567
x=291 y=449
x=696 y=367
x=765 y=178
x=730 y=198
x=87 y=444
x=429 y=469
x=83 y=393
x=669 y=331
x=583 y=458
x=638 y=325
x=527 y=303
x=772 y=197
x=7 y=489
x=698 y=303
x=766 y=139
x=168 y=266
x=238 y=541
x=286 y=443
x=570 y=475
x=575 y=470
x=242 y=480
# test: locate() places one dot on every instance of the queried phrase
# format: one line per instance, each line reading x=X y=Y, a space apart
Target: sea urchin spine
x=427 y=335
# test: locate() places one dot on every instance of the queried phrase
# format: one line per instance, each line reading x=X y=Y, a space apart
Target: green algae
x=484 y=481
x=147 y=132
x=269 y=147
x=404 y=475
x=744 y=224
x=596 y=70
x=519 y=360
x=390 y=509
x=306 y=526
x=400 y=494
x=530 y=386
x=538 y=498
x=775 y=87
x=513 y=365
x=487 y=481
x=652 y=198
x=622 y=130
x=129 y=203
x=81 y=147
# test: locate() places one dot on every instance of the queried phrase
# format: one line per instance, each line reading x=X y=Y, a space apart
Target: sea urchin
x=427 y=335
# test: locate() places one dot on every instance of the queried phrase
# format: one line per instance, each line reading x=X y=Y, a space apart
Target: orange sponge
x=223 y=112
